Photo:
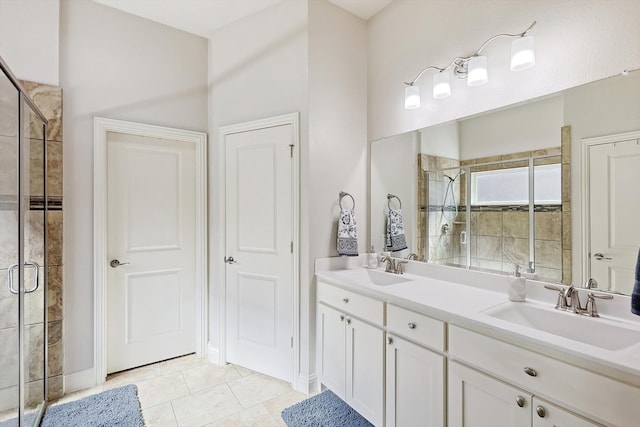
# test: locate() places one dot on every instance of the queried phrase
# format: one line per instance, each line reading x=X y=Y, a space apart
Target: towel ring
x=342 y=196
x=393 y=196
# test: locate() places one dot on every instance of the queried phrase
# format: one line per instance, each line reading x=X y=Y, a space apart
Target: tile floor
x=191 y=392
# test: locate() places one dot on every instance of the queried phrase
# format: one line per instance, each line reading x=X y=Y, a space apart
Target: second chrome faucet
x=569 y=300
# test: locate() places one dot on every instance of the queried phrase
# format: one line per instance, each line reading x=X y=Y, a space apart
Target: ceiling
x=202 y=17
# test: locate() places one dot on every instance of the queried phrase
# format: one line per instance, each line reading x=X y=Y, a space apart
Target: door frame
x=585 y=188
x=219 y=265
x=101 y=127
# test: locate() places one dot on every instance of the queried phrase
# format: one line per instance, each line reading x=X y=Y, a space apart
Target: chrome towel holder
x=393 y=196
x=343 y=194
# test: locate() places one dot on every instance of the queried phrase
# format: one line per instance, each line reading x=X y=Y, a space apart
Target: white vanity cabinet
x=415 y=393
x=564 y=384
x=351 y=349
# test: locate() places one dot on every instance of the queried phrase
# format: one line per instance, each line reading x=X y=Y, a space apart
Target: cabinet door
x=476 y=400
x=415 y=385
x=365 y=370
x=331 y=349
x=546 y=414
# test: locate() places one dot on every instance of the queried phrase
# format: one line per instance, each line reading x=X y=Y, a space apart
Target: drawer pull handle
x=389 y=340
x=412 y=325
x=531 y=372
x=345 y=300
x=520 y=401
x=342 y=317
x=541 y=411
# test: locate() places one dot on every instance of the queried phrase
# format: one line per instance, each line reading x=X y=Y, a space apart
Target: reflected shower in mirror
x=494 y=190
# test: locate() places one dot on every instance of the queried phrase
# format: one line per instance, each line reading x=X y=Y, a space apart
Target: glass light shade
x=412 y=97
x=523 y=54
x=477 y=71
x=441 y=85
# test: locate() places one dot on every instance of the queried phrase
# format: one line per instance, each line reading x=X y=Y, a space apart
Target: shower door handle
x=36 y=280
x=463 y=237
x=10 y=279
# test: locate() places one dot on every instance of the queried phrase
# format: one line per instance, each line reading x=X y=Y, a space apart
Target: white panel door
x=614 y=174
x=415 y=385
x=151 y=232
x=476 y=400
x=259 y=235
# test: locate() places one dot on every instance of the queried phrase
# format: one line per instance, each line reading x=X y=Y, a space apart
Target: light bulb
x=441 y=85
x=477 y=71
x=523 y=54
x=411 y=97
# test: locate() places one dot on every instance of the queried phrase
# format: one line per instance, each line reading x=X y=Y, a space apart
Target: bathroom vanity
x=438 y=346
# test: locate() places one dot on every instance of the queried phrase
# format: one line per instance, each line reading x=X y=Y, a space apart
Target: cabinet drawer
x=585 y=392
x=417 y=327
x=358 y=305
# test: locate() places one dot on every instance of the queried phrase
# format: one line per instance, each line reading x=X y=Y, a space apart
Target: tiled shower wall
x=49 y=100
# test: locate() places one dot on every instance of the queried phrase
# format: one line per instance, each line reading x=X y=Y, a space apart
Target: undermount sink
x=382 y=279
x=599 y=332
x=371 y=277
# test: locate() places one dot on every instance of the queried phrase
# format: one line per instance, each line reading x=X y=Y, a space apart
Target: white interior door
x=614 y=174
x=259 y=238
x=151 y=215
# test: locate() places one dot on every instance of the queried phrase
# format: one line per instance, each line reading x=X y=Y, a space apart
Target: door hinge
x=291 y=342
x=292 y=246
x=291 y=148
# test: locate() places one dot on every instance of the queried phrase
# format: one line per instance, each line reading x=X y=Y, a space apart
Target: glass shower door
x=9 y=251
x=32 y=166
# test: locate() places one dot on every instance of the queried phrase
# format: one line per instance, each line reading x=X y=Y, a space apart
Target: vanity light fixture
x=473 y=68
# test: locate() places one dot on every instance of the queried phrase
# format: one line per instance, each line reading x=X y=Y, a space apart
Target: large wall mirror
x=549 y=186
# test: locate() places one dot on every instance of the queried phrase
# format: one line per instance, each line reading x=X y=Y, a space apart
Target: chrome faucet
x=412 y=256
x=393 y=265
x=590 y=309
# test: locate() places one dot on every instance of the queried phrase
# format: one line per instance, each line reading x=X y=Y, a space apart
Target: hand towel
x=635 y=295
x=347 y=236
x=395 y=231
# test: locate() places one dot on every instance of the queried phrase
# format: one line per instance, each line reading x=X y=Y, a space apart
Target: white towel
x=347 y=237
x=395 y=231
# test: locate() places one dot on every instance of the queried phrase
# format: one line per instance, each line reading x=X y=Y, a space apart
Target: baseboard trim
x=307 y=384
x=79 y=381
x=213 y=354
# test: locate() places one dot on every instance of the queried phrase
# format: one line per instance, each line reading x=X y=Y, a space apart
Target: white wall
x=119 y=66
x=29 y=35
x=528 y=127
x=394 y=170
x=441 y=140
x=577 y=41
x=338 y=149
x=257 y=69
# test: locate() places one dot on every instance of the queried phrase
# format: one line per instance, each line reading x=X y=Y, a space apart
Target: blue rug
x=116 y=407
x=323 y=410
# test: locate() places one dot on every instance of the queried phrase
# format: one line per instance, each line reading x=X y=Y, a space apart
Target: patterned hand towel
x=395 y=231
x=347 y=237
x=635 y=295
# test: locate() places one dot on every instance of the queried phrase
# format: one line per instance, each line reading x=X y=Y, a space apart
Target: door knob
x=115 y=263
x=230 y=260
x=600 y=257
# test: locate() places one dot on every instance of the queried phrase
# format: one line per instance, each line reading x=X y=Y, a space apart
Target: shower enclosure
x=23 y=295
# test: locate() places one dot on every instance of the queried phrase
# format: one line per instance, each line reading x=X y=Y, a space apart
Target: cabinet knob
x=411 y=325
x=345 y=300
x=541 y=411
x=389 y=340
x=520 y=401
x=348 y=321
x=530 y=371
x=342 y=317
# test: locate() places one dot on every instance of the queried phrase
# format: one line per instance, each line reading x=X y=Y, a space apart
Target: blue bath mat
x=116 y=407
x=323 y=410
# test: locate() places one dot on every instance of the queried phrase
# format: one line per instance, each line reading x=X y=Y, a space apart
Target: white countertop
x=460 y=297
